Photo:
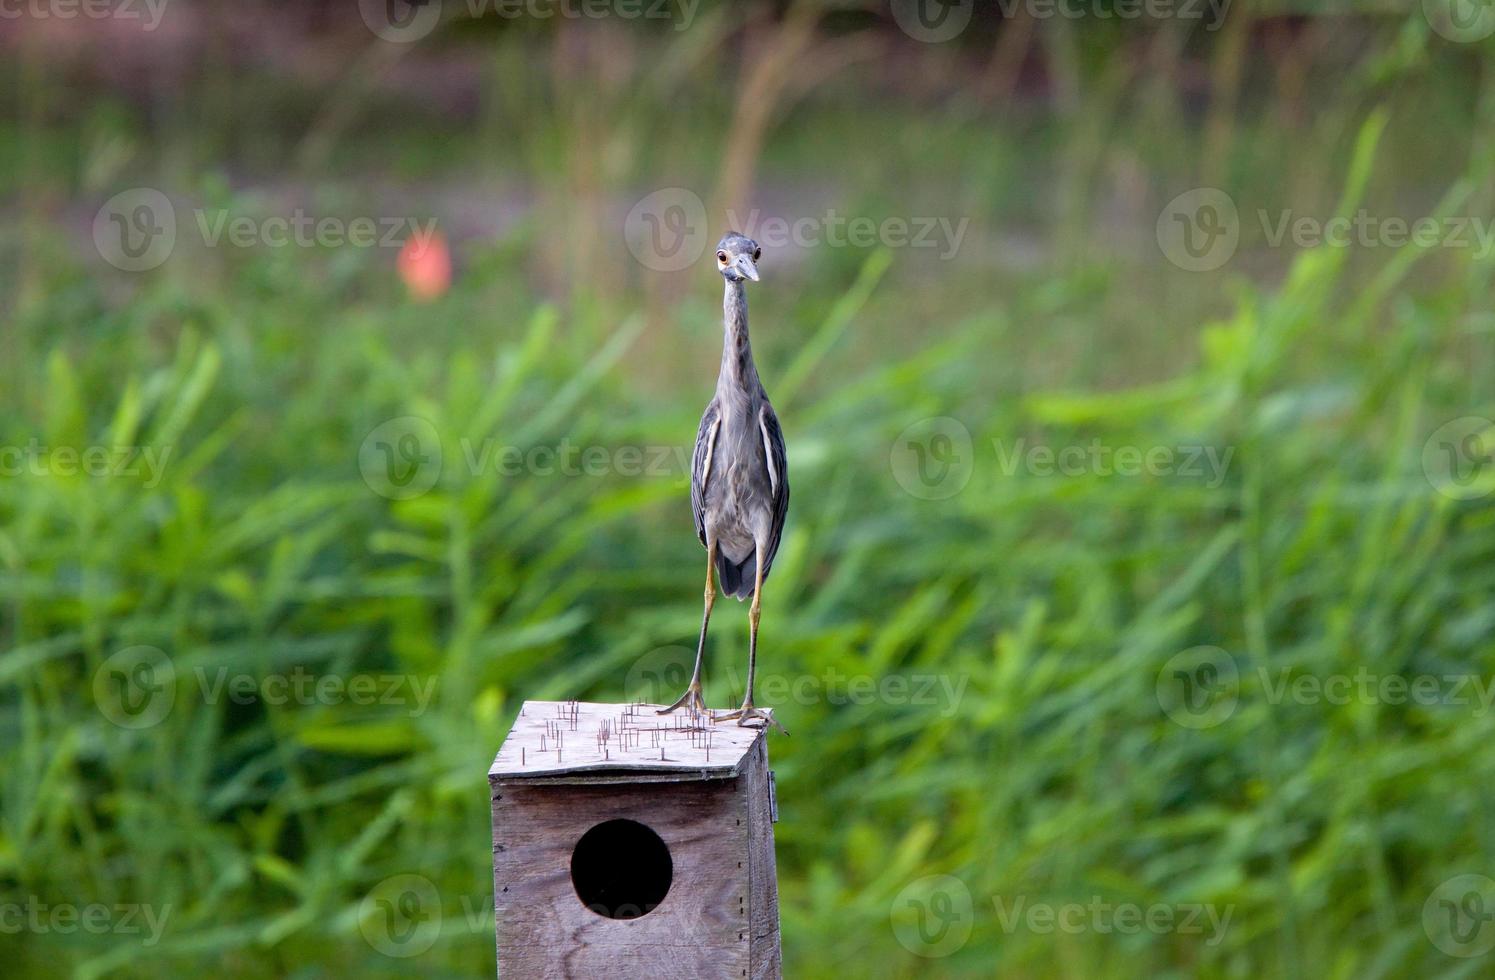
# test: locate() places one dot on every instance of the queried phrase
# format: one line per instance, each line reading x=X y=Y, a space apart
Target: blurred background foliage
x=1050 y=602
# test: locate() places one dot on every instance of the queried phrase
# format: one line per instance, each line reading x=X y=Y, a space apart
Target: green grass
x=1031 y=614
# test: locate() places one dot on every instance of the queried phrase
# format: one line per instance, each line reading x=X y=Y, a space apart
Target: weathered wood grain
x=555 y=737
x=763 y=881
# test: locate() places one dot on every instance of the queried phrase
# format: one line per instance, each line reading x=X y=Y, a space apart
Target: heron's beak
x=744 y=266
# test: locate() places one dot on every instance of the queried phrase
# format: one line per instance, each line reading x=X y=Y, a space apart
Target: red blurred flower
x=426 y=265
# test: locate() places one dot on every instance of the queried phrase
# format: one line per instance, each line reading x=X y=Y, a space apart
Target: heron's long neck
x=738 y=370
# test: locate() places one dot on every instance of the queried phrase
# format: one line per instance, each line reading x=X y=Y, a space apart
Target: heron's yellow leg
x=692 y=697
x=747 y=712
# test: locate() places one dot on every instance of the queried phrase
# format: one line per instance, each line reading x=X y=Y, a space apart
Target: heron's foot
x=747 y=713
x=690 y=700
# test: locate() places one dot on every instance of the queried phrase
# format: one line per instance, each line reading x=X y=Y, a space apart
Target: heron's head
x=737 y=257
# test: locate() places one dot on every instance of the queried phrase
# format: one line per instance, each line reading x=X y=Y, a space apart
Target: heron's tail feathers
x=736 y=578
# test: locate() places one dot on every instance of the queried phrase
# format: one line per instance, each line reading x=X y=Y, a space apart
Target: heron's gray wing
x=700 y=465
x=778 y=462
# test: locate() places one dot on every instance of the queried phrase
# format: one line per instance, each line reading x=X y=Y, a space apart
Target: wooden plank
x=550 y=738
x=765 y=954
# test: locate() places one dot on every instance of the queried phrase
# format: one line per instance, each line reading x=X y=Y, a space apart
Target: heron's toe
x=747 y=715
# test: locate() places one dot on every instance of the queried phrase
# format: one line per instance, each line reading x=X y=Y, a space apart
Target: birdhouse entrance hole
x=621 y=869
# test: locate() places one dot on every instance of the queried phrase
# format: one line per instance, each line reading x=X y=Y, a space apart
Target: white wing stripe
x=710 y=451
x=773 y=473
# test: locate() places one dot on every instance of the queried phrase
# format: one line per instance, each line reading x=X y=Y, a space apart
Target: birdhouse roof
x=619 y=742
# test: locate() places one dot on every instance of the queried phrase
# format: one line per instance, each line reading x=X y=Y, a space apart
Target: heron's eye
x=757 y=252
x=721 y=256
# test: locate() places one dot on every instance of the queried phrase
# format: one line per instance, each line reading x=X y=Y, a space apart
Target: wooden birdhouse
x=631 y=844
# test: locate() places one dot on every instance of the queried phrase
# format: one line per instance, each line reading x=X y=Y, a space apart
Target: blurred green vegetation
x=1050 y=602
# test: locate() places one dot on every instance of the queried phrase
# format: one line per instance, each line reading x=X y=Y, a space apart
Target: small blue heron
x=739 y=480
